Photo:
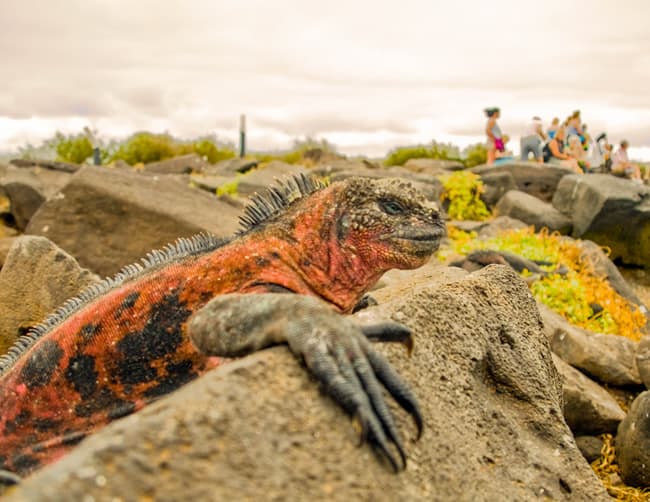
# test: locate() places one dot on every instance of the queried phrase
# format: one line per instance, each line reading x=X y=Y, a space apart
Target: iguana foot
x=334 y=348
x=353 y=373
x=8 y=478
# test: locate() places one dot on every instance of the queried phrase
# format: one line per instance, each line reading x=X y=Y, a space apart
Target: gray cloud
x=418 y=68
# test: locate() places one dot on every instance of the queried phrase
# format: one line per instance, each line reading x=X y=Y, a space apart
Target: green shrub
x=145 y=147
x=443 y=151
x=463 y=191
x=475 y=155
x=230 y=188
x=209 y=150
x=72 y=148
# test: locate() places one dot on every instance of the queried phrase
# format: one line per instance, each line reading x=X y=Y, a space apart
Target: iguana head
x=387 y=223
x=338 y=240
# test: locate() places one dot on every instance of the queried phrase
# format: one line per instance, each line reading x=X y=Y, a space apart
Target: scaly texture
x=125 y=342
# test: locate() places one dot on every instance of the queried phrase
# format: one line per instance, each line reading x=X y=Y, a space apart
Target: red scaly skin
x=130 y=346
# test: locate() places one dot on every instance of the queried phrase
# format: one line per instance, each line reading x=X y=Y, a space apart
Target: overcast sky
x=365 y=75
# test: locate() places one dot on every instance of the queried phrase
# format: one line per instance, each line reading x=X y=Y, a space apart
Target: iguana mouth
x=418 y=241
x=433 y=234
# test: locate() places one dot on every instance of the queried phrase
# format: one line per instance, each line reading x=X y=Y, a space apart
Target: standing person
x=554 y=153
x=494 y=136
x=621 y=165
x=532 y=140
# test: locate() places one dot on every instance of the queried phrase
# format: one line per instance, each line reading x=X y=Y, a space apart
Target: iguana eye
x=391 y=207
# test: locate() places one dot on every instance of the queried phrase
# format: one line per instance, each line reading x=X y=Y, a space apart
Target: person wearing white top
x=532 y=140
x=621 y=165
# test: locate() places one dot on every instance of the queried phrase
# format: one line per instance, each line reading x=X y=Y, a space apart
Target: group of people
x=566 y=144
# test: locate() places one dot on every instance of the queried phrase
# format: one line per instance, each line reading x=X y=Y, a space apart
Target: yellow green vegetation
x=140 y=148
x=471 y=156
x=73 y=148
x=606 y=468
x=572 y=294
x=230 y=188
x=301 y=153
x=145 y=147
x=400 y=155
x=463 y=190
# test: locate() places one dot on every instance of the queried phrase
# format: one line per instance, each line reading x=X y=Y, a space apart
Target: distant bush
x=463 y=190
x=299 y=153
x=444 y=151
x=474 y=155
x=209 y=150
x=145 y=147
x=73 y=148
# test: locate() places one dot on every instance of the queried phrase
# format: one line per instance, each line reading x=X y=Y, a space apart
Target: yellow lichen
x=606 y=468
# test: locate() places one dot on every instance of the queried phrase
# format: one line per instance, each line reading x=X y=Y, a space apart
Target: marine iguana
x=130 y=339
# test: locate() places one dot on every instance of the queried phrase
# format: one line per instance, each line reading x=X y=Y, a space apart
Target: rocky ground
x=514 y=397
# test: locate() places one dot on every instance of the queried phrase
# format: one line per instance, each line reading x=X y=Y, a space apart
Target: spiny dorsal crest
x=183 y=247
x=275 y=200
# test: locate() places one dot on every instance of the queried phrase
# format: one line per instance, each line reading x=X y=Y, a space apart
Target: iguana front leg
x=332 y=346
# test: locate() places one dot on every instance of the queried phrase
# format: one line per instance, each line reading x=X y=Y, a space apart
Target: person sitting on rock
x=577 y=151
x=621 y=165
x=554 y=153
x=552 y=129
x=532 y=140
x=574 y=126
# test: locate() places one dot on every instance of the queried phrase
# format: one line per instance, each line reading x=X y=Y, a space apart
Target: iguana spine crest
x=158 y=257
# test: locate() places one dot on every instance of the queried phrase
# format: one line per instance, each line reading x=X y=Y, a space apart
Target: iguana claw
x=350 y=370
x=390 y=332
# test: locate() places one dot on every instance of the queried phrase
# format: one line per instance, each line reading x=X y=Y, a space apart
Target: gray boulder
x=643 y=360
x=588 y=408
x=108 y=218
x=28 y=187
x=610 y=211
x=590 y=447
x=259 y=429
x=496 y=185
x=531 y=210
x=500 y=224
x=37 y=277
x=609 y=359
x=633 y=443
x=183 y=164
x=65 y=167
x=538 y=180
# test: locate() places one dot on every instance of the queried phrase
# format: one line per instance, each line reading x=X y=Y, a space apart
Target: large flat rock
x=538 y=180
x=108 y=218
x=259 y=429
